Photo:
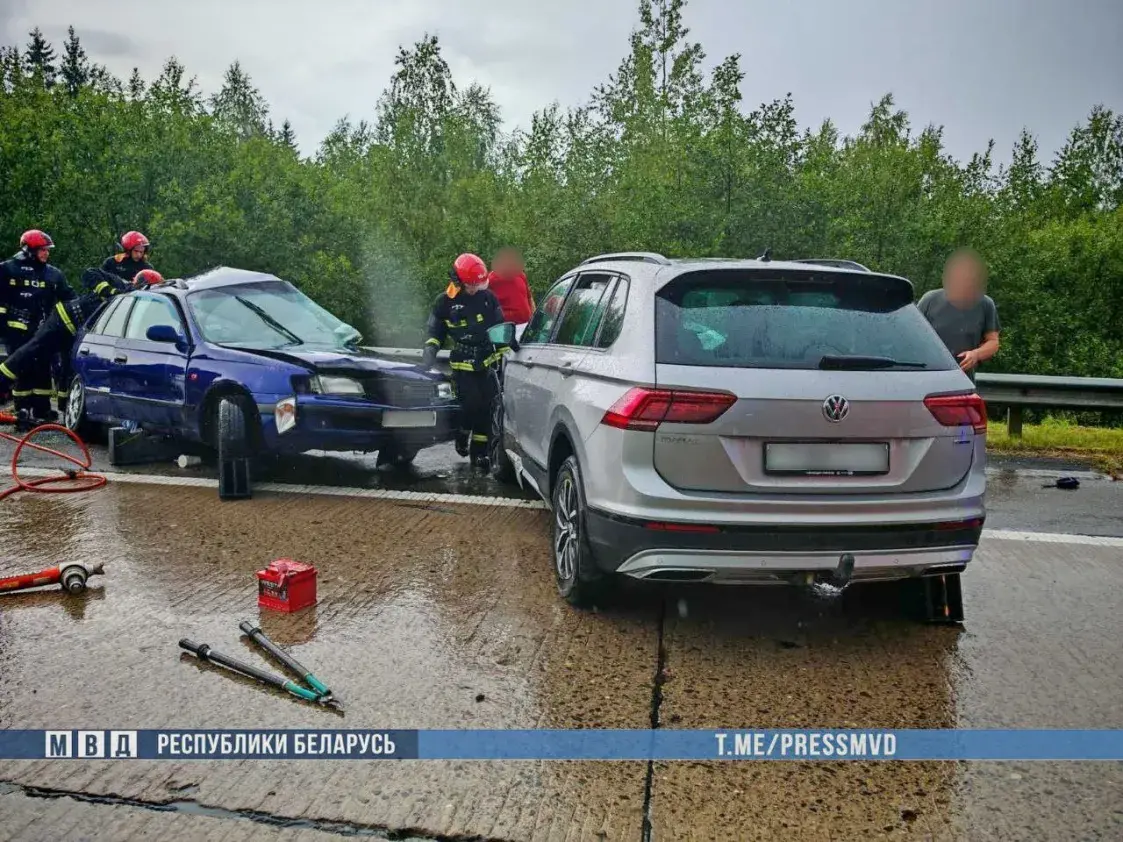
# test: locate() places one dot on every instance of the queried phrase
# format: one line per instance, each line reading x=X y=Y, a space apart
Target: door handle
x=83 y=352
x=120 y=358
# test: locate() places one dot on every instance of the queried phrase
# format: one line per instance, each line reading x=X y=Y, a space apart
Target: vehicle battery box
x=286 y=585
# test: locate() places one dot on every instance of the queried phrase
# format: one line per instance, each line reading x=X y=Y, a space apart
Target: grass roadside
x=1100 y=446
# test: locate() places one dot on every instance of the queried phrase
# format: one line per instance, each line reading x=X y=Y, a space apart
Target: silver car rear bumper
x=737 y=567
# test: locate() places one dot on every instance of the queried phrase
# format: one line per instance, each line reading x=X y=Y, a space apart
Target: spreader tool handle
x=261 y=639
x=206 y=653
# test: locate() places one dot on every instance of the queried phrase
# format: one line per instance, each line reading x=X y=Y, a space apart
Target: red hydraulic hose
x=79 y=477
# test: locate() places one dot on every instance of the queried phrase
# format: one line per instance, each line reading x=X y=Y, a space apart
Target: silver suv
x=749 y=421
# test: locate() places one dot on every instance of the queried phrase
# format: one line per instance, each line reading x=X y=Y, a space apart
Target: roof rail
x=644 y=256
x=836 y=263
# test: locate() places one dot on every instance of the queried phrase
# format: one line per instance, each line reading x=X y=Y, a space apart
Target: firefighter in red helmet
x=132 y=258
x=29 y=290
x=462 y=315
x=55 y=336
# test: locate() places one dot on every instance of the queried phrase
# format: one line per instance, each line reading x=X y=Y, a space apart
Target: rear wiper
x=269 y=320
x=857 y=362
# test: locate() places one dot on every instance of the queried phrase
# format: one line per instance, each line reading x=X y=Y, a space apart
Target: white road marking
x=504 y=502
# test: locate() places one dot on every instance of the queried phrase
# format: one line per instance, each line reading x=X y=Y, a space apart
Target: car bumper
x=346 y=426
x=779 y=555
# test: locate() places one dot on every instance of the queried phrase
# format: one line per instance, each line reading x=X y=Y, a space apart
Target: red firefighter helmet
x=468 y=269
x=134 y=240
x=35 y=239
x=147 y=278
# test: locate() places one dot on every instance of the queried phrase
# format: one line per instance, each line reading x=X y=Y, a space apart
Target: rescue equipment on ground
x=78 y=476
x=320 y=694
x=259 y=637
x=71 y=576
x=286 y=585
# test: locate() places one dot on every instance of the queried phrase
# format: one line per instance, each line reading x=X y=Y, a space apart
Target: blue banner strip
x=583 y=744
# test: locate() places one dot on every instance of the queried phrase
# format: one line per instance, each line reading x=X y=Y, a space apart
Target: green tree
x=41 y=58
x=75 y=70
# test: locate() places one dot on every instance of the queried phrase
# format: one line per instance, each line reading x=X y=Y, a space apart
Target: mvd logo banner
x=573 y=744
x=88 y=745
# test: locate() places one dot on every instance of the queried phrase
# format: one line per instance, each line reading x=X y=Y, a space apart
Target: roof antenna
x=766 y=257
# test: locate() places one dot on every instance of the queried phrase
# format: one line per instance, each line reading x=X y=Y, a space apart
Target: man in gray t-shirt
x=961 y=313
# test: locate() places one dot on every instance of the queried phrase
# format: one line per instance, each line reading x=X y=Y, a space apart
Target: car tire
x=502 y=468
x=232 y=434
x=75 y=418
x=580 y=582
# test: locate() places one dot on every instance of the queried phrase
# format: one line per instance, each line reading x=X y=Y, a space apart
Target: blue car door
x=147 y=377
x=93 y=357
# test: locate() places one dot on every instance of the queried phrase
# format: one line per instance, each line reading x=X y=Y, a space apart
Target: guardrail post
x=1014 y=422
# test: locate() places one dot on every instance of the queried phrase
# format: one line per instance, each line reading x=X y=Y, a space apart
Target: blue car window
x=149 y=311
x=115 y=323
x=105 y=315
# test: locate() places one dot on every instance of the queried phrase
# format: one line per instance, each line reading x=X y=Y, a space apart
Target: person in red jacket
x=508 y=283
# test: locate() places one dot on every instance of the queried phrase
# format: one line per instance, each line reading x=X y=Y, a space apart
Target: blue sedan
x=245 y=363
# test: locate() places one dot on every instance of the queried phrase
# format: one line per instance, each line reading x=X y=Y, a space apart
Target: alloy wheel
x=566 y=531
x=75 y=404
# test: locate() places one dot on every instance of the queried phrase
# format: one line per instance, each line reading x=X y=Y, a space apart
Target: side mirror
x=502 y=334
x=164 y=333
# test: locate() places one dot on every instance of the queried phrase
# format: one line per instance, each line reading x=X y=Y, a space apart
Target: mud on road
x=445 y=617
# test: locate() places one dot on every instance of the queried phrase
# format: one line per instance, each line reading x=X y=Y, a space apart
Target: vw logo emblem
x=835 y=408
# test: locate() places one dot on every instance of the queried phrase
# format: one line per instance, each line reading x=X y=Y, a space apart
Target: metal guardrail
x=1016 y=392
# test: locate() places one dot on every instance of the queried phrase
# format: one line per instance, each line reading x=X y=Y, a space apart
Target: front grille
x=390 y=391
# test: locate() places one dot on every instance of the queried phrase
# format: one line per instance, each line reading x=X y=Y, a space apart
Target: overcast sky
x=982 y=68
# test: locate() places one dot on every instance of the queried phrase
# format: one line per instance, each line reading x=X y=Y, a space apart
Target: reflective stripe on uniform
x=17 y=325
x=432 y=341
x=3 y=309
x=479 y=437
x=65 y=316
x=7 y=372
x=462 y=366
x=461 y=323
x=101 y=286
x=496 y=357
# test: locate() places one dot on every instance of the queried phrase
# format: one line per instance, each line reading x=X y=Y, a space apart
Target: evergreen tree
x=75 y=70
x=41 y=58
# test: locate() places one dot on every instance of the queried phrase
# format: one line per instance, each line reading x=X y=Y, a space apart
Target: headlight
x=337 y=386
x=285 y=415
x=444 y=390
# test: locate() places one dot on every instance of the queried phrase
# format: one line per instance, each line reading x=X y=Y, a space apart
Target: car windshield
x=267 y=314
x=795 y=320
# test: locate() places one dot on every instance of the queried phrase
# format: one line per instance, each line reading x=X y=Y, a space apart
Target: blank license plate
x=408 y=418
x=826 y=459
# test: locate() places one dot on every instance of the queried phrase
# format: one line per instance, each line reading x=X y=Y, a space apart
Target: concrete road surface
x=440 y=612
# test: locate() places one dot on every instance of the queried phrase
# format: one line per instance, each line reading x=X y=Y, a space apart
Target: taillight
x=646 y=409
x=959 y=411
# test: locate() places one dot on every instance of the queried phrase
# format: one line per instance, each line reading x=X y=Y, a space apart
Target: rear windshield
x=749 y=319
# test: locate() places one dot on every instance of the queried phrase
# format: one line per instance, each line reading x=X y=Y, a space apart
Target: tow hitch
x=830 y=581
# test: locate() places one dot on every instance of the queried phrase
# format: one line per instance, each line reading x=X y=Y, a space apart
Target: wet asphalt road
x=438 y=616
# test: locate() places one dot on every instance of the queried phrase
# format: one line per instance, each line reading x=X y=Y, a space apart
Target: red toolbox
x=286 y=585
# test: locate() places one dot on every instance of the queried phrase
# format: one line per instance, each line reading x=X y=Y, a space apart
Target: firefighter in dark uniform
x=462 y=315
x=55 y=336
x=29 y=290
x=132 y=258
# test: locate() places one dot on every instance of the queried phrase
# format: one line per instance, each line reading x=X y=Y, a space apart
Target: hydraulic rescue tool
x=71 y=576
x=321 y=694
x=259 y=637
